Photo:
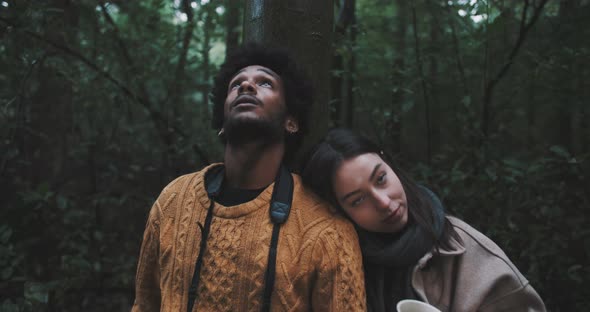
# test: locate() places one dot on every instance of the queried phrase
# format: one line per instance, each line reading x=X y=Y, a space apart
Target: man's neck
x=252 y=165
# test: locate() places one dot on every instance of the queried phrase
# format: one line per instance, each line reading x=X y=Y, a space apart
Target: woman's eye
x=381 y=179
x=357 y=201
x=266 y=84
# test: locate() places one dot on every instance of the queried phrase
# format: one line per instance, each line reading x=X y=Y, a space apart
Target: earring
x=221 y=132
x=291 y=125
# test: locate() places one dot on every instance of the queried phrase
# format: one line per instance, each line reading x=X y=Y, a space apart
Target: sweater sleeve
x=340 y=280
x=147 y=280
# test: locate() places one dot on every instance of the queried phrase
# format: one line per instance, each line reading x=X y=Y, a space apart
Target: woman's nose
x=381 y=201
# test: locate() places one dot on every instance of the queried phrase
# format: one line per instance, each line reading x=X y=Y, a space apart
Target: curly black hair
x=297 y=85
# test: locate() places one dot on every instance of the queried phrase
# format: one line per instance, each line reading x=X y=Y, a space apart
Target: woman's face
x=371 y=194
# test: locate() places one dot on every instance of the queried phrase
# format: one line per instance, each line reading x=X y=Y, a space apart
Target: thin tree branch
x=166 y=129
x=205 y=57
x=486 y=67
x=159 y=120
x=523 y=31
x=459 y=60
x=13 y=130
x=81 y=58
x=175 y=85
x=120 y=42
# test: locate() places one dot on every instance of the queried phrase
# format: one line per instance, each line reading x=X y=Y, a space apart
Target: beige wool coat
x=476 y=275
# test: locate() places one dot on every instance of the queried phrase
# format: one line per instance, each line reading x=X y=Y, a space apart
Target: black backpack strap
x=280 y=207
x=213 y=181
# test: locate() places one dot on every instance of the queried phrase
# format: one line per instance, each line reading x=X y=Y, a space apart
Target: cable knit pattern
x=318 y=260
x=184 y=215
x=220 y=263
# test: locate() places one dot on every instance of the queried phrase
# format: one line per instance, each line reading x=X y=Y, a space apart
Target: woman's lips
x=394 y=216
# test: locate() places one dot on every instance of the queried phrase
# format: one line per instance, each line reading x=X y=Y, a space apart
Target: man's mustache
x=246 y=98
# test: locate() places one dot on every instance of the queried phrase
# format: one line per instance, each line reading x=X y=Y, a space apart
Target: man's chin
x=243 y=130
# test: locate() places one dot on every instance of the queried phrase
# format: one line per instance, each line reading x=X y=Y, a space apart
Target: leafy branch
x=524 y=28
x=161 y=123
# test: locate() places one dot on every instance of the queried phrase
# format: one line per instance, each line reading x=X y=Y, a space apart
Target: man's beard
x=239 y=131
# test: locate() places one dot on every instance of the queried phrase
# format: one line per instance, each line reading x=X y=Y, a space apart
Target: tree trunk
x=564 y=111
x=304 y=27
x=207 y=28
x=50 y=120
x=490 y=82
x=349 y=99
x=336 y=101
x=232 y=21
x=343 y=84
x=434 y=109
x=424 y=85
x=398 y=78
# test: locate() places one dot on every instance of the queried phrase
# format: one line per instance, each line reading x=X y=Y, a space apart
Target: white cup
x=409 y=305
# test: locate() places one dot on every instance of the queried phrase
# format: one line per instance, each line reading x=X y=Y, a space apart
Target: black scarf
x=389 y=259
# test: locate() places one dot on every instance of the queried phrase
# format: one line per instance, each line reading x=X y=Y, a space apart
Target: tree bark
x=424 y=85
x=304 y=27
x=350 y=73
x=525 y=25
x=342 y=103
x=232 y=21
x=207 y=28
x=47 y=142
x=395 y=123
x=177 y=84
x=435 y=109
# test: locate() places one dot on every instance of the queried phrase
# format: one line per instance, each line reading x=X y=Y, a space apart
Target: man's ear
x=291 y=125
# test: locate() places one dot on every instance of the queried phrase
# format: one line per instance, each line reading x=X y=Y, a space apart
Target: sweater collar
x=210 y=182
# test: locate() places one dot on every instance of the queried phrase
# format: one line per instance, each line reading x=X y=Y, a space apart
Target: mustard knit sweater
x=318 y=268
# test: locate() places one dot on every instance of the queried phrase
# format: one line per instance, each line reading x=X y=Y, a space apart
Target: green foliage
x=420 y=89
x=535 y=210
x=101 y=107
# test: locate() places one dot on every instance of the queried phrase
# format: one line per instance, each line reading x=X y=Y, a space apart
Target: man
x=224 y=238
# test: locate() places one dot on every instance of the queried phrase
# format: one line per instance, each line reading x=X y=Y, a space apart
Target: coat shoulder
x=486 y=254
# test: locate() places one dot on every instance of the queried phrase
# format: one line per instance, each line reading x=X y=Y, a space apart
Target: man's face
x=255 y=105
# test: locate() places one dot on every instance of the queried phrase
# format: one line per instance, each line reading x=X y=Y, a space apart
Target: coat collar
x=456 y=248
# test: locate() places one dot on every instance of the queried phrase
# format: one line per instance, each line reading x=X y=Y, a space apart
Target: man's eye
x=266 y=84
x=234 y=84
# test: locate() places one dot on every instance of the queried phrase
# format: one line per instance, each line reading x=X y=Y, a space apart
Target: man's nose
x=246 y=87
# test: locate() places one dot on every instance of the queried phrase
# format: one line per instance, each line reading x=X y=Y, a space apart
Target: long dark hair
x=322 y=161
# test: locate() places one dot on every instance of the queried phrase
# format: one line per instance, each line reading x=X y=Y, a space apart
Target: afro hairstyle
x=297 y=85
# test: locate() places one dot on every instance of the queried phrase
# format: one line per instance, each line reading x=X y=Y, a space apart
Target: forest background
x=103 y=103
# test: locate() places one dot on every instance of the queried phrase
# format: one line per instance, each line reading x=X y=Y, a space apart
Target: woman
x=411 y=248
